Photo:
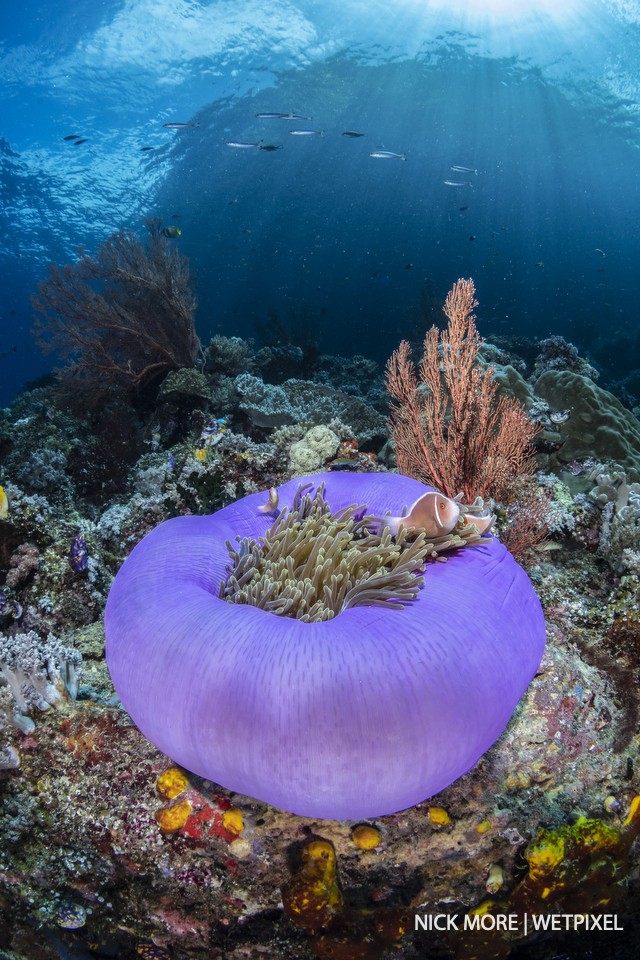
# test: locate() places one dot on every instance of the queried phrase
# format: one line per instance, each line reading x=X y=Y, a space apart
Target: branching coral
x=123 y=318
x=449 y=427
x=40 y=673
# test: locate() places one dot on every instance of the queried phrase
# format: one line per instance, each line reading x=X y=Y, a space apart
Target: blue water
x=546 y=107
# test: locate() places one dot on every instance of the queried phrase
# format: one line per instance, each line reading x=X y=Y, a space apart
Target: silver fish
x=240 y=145
x=457 y=183
x=457 y=169
x=387 y=155
x=281 y=116
x=179 y=126
x=307 y=133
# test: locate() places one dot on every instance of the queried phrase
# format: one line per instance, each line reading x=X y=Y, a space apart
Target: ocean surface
x=540 y=101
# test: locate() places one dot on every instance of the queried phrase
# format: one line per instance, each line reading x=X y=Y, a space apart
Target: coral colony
x=311 y=611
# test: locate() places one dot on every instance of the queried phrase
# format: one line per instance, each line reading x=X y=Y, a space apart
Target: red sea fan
x=448 y=426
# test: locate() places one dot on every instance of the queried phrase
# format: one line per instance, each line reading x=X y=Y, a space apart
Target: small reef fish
x=482 y=521
x=560 y=416
x=77 y=143
x=281 y=116
x=179 y=126
x=458 y=169
x=156 y=436
x=307 y=133
x=387 y=155
x=434 y=513
x=215 y=427
x=144 y=149
x=4 y=504
x=272 y=503
x=457 y=183
x=270 y=147
x=212 y=434
x=172 y=232
x=72 y=136
x=352 y=134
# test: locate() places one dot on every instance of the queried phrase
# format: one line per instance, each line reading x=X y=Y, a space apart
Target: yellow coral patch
x=483 y=826
x=172 y=783
x=634 y=812
x=438 y=816
x=545 y=857
x=200 y=454
x=365 y=836
x=319 y=857
x=485 y=907
x=232 y=820
x=172 y=818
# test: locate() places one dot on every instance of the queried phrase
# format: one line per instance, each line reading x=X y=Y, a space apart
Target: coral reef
x=310 y=453
x=301 y=401
x=107 y=849
x=38 y=673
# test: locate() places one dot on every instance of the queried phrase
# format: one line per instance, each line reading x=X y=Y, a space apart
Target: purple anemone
x=359 y=716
